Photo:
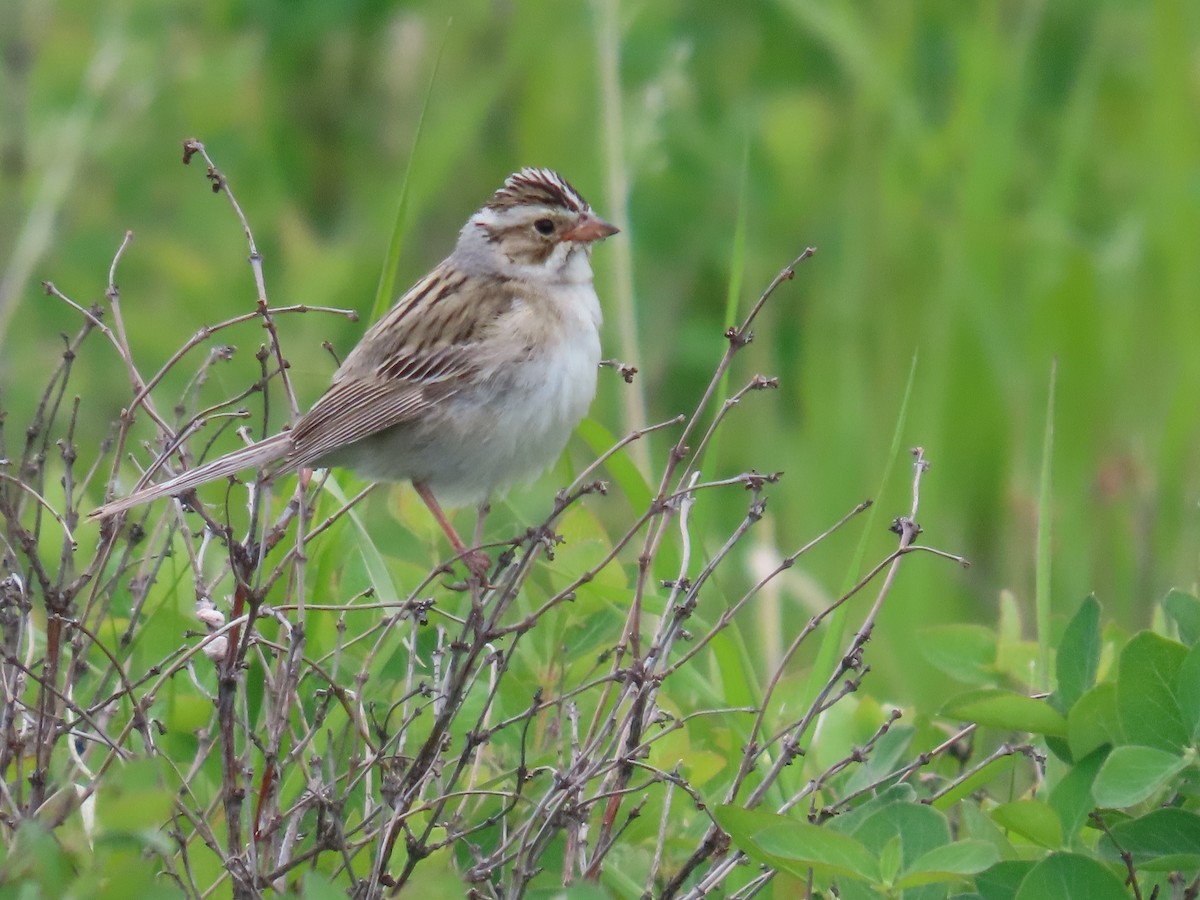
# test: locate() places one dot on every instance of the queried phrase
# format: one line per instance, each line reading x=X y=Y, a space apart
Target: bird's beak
x=589 y=228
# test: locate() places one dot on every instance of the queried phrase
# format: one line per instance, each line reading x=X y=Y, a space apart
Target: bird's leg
x=476 y=561
x=481 y=516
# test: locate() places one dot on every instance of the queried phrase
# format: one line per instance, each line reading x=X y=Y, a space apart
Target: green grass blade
x=832 y=644
x=1042 y=577
x=737 y=258
x=737 y=271
x=385 y=293
x=373 y=558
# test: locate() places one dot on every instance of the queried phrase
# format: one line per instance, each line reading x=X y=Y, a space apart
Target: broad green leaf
x=1072 y=797
x=1146 y=702
x=851 y=821
x=630 y=481
x=885 y=758
x=1067 y=876
x=997 y=768
x=1188 y=692
x=315 y=886
x=1162 y=838
x=1093 y=721
x=584 y=544
x=803 y=846
x=899 y=834
x=1132 y=774
x=976 y=824
x=1060 y=746
x=133 y=798
x=122 y=867
x=1078 y=655
x=1032 y=819
x=795 y=846
x=187 y=711
x=1184 y=608
x=1003 y=880
x=919 y=827
x=1005 y=709
x=577 y=891
x=889 y=860
x=966 y=653
x=950 y=862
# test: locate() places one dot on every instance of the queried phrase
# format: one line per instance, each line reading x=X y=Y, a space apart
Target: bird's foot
x=478 y=563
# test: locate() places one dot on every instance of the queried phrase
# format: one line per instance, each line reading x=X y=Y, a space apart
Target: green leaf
x=853 y=820
x=315 y=886
x=1164 y=838
x=1184 y=608
x=1072 y=798
x=1066 y=876
x=950 y=862
x=380 y=578
x=884 y=759
x=1132 y=774
x=1188 y=692
x=584 y=891
x=966 y=653
x=975 y=824
x=795 y=846
x=620 y=465
x=584 y=543
x=132 y=798
x=919 y=827
x=1006 y=709
x=1003 y=880
x=187 y=711
x=803 y=846
x=1032 y=819
x=1147 y=674
x=1093 y=721
x=1078 y=655
x=889 y=860
x=123 y=867
x=997 y=768
x=37 y=855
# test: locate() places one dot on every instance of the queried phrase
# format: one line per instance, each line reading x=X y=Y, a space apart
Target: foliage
x=329 y=720
x=517 y=732
x=993 y=188
x=1113 y=805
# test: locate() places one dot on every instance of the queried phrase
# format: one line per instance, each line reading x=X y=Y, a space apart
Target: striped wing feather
x=416 y=356
x=423 y=351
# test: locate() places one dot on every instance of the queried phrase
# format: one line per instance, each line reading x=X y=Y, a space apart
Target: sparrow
x=476 y=377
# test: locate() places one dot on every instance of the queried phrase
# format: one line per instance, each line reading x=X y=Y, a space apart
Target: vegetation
x=703 y=663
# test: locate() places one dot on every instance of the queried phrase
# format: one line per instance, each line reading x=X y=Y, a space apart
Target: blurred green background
x=991 y=186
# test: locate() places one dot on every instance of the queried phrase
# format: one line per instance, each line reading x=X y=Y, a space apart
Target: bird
x=472 y=381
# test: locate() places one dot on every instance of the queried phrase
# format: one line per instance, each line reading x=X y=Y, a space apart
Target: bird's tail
x=266 y=451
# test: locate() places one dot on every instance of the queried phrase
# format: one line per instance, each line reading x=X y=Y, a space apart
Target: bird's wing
x=419 y=354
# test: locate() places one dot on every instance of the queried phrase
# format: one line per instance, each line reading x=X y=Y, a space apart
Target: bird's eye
x=544 y=226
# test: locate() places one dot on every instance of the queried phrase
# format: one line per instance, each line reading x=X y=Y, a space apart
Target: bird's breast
x=557 y=348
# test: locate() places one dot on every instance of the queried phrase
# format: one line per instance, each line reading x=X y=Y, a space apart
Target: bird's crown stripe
x=538 y=186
